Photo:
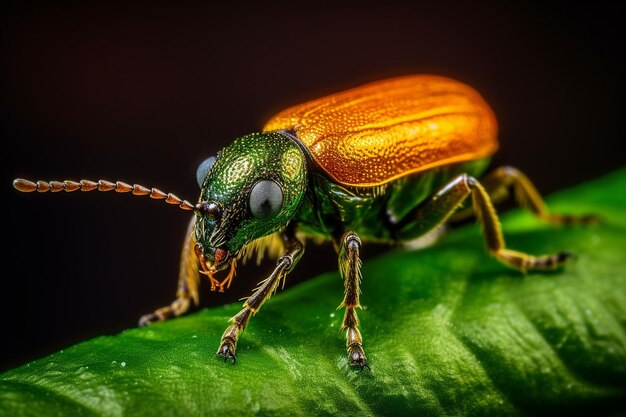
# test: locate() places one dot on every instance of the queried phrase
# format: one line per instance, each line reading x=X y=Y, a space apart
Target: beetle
x=390 y=161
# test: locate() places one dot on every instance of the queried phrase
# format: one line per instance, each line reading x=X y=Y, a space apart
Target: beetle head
x=251 y=189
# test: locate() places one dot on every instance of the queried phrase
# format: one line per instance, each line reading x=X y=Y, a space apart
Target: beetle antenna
x=27 y=186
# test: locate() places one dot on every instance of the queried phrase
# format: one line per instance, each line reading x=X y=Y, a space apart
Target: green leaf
x=448 y=331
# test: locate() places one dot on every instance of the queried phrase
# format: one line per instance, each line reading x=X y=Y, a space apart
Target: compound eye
x=266 y=199
x=203 y=169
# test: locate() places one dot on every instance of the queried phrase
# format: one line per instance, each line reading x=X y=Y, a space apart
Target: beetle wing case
x=378 y=132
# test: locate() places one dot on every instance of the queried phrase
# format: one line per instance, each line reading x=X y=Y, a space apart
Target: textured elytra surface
x=447 y=330
x=378 y=132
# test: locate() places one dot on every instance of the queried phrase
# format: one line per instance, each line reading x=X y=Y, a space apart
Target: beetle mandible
x=388 y=161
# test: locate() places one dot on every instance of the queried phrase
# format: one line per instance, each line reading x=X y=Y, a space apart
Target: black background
x=144 y=92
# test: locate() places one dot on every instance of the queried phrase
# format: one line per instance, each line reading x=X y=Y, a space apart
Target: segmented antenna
x=27 y=186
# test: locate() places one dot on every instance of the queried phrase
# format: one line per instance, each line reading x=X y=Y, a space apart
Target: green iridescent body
x=313 y=202
x=329 y=209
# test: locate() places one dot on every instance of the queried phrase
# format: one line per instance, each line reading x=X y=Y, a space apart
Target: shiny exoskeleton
x=387 y=162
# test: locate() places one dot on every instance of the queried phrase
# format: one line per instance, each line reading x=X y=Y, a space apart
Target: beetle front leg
x=188 y=282
x=445 y=202
x=267 y=287
x=350 y=269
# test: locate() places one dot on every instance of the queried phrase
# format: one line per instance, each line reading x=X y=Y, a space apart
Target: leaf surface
x=447 y=330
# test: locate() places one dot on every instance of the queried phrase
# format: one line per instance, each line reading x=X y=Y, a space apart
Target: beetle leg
x=262 y=293
x=350 y=269
x=443 y=204
x=188 y=282
x=500 y=182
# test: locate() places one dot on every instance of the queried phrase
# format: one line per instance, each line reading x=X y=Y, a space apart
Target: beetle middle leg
x=444 y=203
x=350 y=269
x=188 y=282
x=502 y=180
x=262 y=293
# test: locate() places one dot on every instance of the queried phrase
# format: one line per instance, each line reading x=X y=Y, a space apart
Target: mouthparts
x=220 y=263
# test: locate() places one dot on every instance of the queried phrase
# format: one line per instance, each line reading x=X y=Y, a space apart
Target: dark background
x=143 y=93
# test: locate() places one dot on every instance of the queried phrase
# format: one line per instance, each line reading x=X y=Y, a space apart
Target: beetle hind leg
x=500 y=182
x=495 y=241
x=350 y=269
x=445 y=202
